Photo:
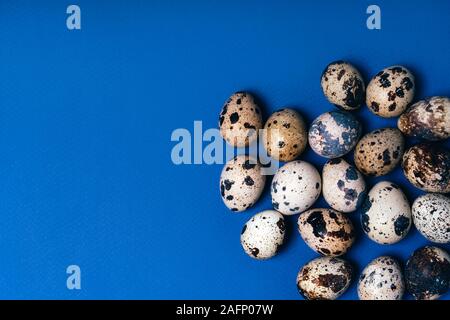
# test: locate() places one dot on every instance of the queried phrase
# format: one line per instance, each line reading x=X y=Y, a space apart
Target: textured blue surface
x=86 y=117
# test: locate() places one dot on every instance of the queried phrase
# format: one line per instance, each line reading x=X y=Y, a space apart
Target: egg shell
x=240 y=120
x=241 y=183
x=285 y=135
x=386 y=213
x=324 y=278
x=295 y=187
x=427 y=167
x=431 y=216
x=263 y=234
x=343 y=85
x=427 y=119
x=326 y=231
x=427 y=273
x=344 y=188
x=334 y=134
x=381 y=279
x=390 y=92
x=379 y=152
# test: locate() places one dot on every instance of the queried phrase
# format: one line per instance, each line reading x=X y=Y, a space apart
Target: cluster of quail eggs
x=386 y=214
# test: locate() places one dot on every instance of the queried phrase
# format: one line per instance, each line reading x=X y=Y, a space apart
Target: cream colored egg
x=390 y=92
x=344 y=188
x=240 y=120
x=241 y=183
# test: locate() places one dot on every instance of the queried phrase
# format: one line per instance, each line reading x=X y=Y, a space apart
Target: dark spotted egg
x=386 y=213
x=241 y=183
x=427 y=273
x=427 y=119
x=263 y=234
x=382 y=279
x=427 y=166
x=390 y=92
x=295 y=187
x=240 y=119
x=334 y=134
x=379 y=152
x=326 y=231
x=344 y=188
x=343 y=85
x=431 y=216
x=285 y=135
x=324 y=278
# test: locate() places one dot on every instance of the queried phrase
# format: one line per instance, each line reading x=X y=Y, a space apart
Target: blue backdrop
x=86 y=117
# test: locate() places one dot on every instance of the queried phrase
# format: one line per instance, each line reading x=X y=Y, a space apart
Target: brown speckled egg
x=427 y=273
x=343 y=187
x=379 y=151
x=390 y=92
x=241 y=183
x=431 y=216
x=285 y=135
x=427 y=119
x=343 y=85
x=263 y=234
x=427 y=167
x=326 y=231
x=324 y=278
x=240 y=120
x=382 y=279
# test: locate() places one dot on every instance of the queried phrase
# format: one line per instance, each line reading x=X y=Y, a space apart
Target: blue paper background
x=86 y=117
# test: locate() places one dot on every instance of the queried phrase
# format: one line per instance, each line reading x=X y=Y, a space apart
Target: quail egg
x=427 y=119
x=334 y=134
x=343 y=85
x=324 y=278
x=427 y=273
x=427 y=166
x=263 y=234
x=344 y=188
x=241 y=183
x=295 y=187
x=390 y=92
x=326 y=231
x=379 y=152
x=240 y=120
x=386 y=214
x=285 y=135
x=382 y=279
x=431 y=216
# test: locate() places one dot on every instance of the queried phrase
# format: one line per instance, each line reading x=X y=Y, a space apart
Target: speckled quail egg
x=382 y=279
x=431 y=216
x=386 y=214
x=334 y=134
x=295 y=187
x=344 y=188
x=263 y=234
x=379 y=152
x=390 y=92
x=427 y=166
x=240 y=119
x=427 y=119
x=343 y=85
x=427 y=273
x=241 y=183
x=326 y=231
x=324 y=278
x=285 y=135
